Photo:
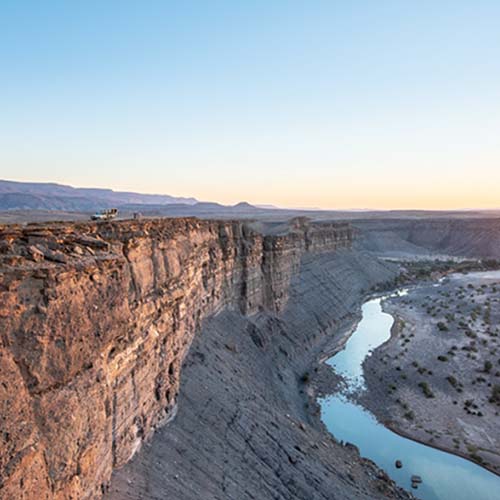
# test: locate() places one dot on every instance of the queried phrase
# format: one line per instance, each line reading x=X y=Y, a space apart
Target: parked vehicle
x=108 y=214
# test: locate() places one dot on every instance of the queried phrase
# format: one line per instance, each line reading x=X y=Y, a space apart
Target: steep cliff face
x=95 y=321
x=469 y=237
x=247 y=426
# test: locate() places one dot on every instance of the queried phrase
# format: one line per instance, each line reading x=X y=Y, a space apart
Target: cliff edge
x=95 y=322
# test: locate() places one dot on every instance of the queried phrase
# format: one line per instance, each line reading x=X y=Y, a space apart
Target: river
x=445 y=476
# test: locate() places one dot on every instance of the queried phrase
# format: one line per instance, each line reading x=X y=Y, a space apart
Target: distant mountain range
x=43 y=201
x=51 y=196
x=31 y=201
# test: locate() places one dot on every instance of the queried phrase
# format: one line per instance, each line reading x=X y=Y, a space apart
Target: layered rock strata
x=95 y=322
x=248 y=425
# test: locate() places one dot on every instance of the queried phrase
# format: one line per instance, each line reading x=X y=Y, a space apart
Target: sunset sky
x=331 y=104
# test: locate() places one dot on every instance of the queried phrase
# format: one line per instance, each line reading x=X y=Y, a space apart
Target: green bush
x=426 y=389
x=495 y=394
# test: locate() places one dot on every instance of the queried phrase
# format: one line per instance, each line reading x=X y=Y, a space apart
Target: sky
x=318 y=103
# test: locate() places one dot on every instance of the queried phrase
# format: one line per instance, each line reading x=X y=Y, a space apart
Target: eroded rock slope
x=248 y=426
x=95 y=322
x=406 y=237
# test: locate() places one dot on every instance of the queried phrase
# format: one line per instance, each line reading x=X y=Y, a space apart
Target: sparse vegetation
x=442 y=326
x=495 y=394
x=458 y=326
x=409 y=415
x=426 y=389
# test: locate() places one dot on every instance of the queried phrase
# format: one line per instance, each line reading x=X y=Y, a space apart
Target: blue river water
x=445 y=476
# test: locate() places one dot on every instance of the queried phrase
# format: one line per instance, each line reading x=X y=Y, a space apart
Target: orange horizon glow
x=322 y=197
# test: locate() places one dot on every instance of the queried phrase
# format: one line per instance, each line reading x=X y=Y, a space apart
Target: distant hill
x=51 y=196
x=33 y=201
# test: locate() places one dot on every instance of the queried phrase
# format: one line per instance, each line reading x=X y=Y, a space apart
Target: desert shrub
x=426 y=389
x=495 y=394
x=487 y=316
x=442 y=326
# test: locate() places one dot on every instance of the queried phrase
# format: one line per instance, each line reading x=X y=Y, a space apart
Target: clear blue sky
x=298 y=103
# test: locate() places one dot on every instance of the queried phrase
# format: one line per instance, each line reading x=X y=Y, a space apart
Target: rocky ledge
x=95 y=322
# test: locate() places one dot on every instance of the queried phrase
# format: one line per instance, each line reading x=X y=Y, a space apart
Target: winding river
x=445 y=476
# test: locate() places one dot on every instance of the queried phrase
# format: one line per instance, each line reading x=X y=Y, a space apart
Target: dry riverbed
x=437 y=380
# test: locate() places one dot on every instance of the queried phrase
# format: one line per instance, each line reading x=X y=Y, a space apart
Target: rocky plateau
x=96 y=321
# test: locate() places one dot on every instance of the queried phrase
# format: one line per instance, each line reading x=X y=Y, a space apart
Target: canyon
x=172 y=358
x=97 y=319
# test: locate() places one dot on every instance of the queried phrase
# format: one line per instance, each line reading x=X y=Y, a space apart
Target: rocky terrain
x=261 y=436
x=96 y=322
x=111 y=331
x=406 y=237
x=437 y=379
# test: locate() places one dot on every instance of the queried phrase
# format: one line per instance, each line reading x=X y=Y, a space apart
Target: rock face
x=464 y=237
x=95 y=321
x=248 y=425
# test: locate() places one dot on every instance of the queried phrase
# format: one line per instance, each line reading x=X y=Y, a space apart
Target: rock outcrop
x=95 y=321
